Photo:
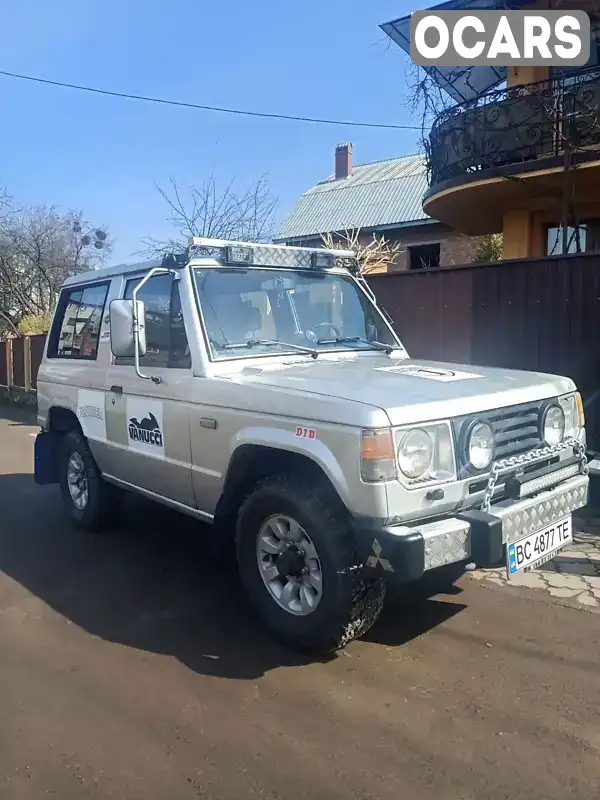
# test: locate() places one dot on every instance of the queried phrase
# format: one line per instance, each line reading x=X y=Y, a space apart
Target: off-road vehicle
x=260 y=389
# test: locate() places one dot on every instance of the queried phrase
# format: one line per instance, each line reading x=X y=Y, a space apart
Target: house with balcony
x=383 y=198
x=517 y=150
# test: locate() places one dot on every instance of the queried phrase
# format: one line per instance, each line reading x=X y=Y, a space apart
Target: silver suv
x=260 y=389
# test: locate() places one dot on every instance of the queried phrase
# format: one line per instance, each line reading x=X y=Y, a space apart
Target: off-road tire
x=350 y=603
x=104 y=500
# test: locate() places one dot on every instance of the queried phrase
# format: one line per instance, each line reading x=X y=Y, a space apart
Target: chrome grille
x=516 y=430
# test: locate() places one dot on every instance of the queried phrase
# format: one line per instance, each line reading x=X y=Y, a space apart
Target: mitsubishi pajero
x=260 y=389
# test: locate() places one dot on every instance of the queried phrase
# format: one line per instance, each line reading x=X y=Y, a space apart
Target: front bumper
x=403 y=553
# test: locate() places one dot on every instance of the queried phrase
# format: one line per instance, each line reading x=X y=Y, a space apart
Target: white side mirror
x=122 y=339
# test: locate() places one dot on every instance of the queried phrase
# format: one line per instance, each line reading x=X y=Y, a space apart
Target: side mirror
x=122 y=340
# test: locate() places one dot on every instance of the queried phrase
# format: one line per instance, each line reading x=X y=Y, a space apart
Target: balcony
x=491 y=148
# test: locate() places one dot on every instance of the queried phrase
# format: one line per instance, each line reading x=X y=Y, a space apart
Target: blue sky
x=103 y=155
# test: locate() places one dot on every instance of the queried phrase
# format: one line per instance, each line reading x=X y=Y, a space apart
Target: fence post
x=9 y=363
x=4 y=345
x=27 y=362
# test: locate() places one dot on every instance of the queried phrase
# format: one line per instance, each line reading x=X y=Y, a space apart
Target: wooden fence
x=537 y=314
x=20 y=359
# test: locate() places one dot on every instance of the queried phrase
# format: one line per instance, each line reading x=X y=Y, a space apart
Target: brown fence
x=540 y=314
x=20 y=359
x=36 y=344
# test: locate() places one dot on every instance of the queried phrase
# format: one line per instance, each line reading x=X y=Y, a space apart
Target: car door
x=148 y=422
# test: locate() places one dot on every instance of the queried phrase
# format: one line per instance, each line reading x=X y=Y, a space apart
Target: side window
x=76 y=329
x=166 y=340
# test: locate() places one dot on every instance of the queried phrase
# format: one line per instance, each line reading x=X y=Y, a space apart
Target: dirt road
x=131 y=669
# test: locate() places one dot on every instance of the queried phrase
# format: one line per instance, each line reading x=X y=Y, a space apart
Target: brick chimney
x=343 y=161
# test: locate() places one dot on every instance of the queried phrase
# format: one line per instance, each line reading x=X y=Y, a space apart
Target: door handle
x=116 y=389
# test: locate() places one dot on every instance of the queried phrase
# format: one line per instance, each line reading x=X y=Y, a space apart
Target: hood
x=411 y=390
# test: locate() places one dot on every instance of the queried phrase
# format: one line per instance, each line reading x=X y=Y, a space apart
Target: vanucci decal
x=147 y=431
x=145 y=426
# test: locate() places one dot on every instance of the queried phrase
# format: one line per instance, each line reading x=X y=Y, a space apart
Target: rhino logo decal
x=147 y=431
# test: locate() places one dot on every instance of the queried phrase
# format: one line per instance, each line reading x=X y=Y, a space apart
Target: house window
x=585 y=238
x=76 y=329
x=424 y=256
x=166 y=340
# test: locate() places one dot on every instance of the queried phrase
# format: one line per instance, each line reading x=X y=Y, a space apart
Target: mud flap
x=46 y=451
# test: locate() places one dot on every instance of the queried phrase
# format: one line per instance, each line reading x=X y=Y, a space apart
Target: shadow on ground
x=150 y=586
x=18 y=415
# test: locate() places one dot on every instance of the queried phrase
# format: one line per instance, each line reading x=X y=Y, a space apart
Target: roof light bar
x=270 y=255
x=322 y=260
x=236 y=254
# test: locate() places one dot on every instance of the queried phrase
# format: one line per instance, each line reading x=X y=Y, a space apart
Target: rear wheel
x=91 y=503
x=298 y=567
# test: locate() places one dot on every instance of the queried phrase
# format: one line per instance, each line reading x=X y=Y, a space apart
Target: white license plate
x=539 y=547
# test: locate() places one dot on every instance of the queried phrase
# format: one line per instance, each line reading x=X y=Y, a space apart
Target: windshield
x=266 y=311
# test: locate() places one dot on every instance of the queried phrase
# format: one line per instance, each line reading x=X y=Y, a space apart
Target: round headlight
x=415 y=453
x=481 y=445
x=553 y=425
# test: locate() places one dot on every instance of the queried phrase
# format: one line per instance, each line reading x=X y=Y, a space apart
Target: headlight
x=426 y=454
x=415 y=453
x=573 y=409
x=481 y=445
x=553 y=425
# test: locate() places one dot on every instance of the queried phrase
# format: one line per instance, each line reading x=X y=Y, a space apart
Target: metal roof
x=383 y=194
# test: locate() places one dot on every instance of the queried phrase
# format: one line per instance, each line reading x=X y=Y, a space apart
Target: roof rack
x=270 y=255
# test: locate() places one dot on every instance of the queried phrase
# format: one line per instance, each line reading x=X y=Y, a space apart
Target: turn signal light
x=378 y=462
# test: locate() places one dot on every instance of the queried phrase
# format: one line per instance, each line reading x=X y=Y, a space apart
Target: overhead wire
x=204 y=107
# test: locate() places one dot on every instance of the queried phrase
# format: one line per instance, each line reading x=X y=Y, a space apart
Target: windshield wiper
x=387 y=348
x=269 y=343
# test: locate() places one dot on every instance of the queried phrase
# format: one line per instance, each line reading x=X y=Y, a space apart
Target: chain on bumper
x=523 y=460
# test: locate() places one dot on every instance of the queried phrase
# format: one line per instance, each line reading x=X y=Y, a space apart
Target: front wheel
x=91 y=503
x=298 y=567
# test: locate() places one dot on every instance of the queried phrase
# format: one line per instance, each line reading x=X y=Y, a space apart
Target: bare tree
x=219 y=213
x=425 y=99
x=39 y=247
x=374 y=255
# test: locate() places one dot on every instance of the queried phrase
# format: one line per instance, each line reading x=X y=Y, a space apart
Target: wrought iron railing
x=514 y=125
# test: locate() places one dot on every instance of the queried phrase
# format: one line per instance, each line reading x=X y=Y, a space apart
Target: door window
x=166 y=339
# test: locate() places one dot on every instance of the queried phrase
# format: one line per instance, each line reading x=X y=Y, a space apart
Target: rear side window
x=76 y=328
x=166 y=340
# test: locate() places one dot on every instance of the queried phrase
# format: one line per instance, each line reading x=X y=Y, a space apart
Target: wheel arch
x=251 y=463
x=62 y=419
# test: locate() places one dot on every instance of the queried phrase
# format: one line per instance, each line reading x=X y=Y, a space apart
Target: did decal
x=145 y=429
